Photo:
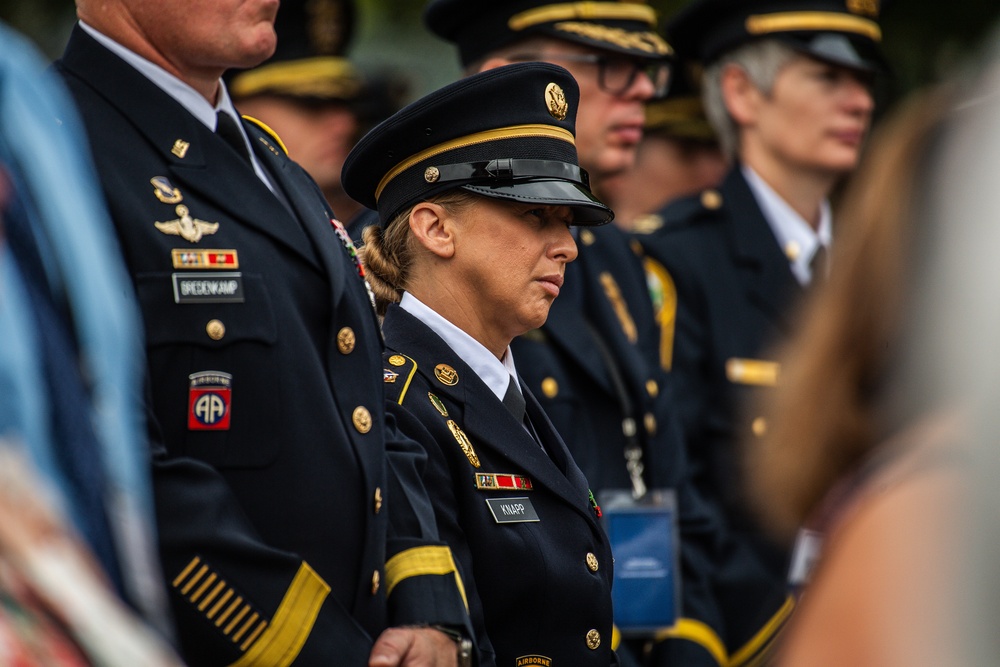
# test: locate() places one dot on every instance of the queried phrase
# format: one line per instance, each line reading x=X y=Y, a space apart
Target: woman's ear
x=433 y=228
x=739 y=94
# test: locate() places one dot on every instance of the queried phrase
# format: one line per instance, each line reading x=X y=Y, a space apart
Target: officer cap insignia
x=555 y=98
x=188 y=228
x=446 y=375
x=863 y=7
x=164 y=191
x=464 y=443
x=180 y=148
x=438 y=405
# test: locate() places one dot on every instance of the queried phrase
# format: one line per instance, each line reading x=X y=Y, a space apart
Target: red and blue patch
x=210 y=401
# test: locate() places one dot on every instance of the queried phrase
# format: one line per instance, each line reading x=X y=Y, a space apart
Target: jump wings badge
x=188 y=228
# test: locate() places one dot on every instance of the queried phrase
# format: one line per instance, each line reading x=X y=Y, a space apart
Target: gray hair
x=761 y=60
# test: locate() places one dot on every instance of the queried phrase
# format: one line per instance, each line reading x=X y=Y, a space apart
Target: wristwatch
x=462 y=644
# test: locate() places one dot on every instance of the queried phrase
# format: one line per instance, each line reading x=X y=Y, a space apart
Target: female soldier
x=476 y=186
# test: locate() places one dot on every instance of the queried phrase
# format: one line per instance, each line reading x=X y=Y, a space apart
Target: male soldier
x=310 y=94
x=787 y=89
x=595 y=364
x=678 y=156
x=287 y=533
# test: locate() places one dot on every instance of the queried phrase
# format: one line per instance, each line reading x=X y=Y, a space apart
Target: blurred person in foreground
x=313 y=96
x=786 y=87
x=293 y=523
x=77 y=566
x=471 y=253
x=594 y=364
x=864 y=448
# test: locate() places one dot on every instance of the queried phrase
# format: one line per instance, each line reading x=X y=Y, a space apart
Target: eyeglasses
x=615 y=74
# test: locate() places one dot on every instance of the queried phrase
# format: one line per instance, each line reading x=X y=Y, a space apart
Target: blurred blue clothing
x=67 y=272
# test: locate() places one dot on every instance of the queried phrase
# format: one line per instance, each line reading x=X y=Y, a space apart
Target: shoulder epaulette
x=268 y=131
x=692 y=210
x=397 y=373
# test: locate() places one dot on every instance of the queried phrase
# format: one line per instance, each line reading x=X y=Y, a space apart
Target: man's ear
x=739 y=94
x=433 y=228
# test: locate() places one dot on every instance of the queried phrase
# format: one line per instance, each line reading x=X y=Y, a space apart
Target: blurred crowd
x=641 y=344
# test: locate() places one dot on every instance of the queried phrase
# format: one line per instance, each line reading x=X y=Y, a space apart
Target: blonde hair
x=388 y=250
x=828 y=411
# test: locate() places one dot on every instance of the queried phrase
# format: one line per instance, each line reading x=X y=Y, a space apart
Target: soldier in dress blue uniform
x=293 y=524
x=595 y=363
x=476 y=187
x=787 y=89
x=313 y=96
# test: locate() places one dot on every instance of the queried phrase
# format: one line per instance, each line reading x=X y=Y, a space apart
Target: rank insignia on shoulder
x=164 y=191
x=389 y=376
x=209 y=401
x=204 y=259
x=438 y=405
x=493 y=481
x=188 y=228
x=464 y=443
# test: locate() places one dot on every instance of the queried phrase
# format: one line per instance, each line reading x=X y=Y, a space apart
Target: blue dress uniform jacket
x=275 y=531
x=595 y=365
x=734 y=291
x=537 y=589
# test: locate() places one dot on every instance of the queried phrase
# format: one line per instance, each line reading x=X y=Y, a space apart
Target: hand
x=413 y=647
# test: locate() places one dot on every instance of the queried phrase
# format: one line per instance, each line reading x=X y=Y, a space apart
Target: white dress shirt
x=495 y=373
x=796 y=237
x=186 y=96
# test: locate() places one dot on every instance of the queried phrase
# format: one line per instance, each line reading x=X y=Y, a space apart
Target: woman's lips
x=551 y=283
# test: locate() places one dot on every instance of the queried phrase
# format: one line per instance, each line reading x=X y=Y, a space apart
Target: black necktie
x=229 y=131
x=514 y=401
x=819 y=265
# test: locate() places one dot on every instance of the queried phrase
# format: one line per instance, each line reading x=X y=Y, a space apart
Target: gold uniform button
x=652 y=388
x=759 y=427
x=650 y=421
x=216 y=329
x=593 y=640
x=397 y=360
x=362 y=419
x=346 y=340
x=378 y=499
x=550 y=388
x=711 y=199
x=587 y=237
x=592 y=563
x=375 y=582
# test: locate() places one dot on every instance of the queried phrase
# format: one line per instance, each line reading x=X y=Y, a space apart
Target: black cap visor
x=836 y=49
x=587 y=210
